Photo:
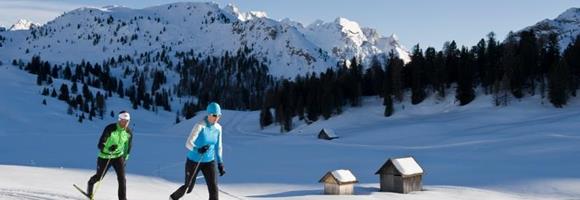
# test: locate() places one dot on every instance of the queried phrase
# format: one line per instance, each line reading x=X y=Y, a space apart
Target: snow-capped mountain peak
x=399 y=49
x=346 y=39
x=351 y=30
x=348 y=31
x=23 y=24
x=244 y=16
x=114 y=8
x=393 y=40
x=572 y=14
x=394 y=37
x=566 y=26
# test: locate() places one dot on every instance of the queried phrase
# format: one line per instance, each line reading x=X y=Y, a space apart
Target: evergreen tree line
x=87 y=74
x=313 y=96
x=524 y=65
x=238 y=81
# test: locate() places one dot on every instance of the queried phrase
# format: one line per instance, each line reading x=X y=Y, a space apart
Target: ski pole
x=100 y=179
x=193 y=173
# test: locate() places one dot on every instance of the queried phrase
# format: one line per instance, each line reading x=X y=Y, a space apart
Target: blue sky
x=429 y=23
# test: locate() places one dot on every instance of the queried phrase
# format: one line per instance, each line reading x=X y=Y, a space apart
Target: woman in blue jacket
x=205 y=149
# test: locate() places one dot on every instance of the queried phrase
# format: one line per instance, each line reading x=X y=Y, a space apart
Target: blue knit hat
x=214 y=108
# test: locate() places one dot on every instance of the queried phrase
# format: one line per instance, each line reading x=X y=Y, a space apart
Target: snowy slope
x=97 y=34
x=478 y=151
x=566 y=25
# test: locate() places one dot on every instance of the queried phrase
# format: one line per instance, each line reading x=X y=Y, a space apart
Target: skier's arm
x=189 y=144
x=218 y=147
x=106 y=133
x=129 y=143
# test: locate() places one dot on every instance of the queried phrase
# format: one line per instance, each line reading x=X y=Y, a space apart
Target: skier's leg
x=209 y=173
x=189 y=180
x=119 y=165
x=102 y=169
x=193 y=171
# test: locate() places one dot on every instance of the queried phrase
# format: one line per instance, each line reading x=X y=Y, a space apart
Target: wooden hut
x=339 y=182
x=327 y=134
x=402 y=175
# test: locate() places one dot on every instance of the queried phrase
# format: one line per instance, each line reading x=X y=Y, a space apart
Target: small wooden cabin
x=401 y=175
x=339 y=182
x=327 y=134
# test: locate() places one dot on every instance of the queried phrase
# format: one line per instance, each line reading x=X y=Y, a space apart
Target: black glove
x=112 y=148
x=203 y=149
x=221 y=169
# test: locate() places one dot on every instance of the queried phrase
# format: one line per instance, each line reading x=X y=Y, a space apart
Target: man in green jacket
x=114 y=146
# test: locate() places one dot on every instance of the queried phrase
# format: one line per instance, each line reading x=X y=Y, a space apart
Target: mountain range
x=288 y=47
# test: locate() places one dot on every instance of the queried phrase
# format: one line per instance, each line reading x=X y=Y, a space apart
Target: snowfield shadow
x=319 y=192
x=287 y=194
x=20 y=194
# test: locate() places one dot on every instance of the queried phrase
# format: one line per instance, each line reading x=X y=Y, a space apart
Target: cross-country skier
x=205 y=147
x=114 y=146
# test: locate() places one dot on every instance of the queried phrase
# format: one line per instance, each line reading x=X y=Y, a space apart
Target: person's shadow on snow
x=297 y=193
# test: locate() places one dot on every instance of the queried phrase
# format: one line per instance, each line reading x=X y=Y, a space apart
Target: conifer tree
x=417 y=72
x=465 y=92
x=389 y=108
x=64 y=96
x=558 y=83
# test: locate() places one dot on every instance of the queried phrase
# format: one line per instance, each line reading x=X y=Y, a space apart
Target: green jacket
x=115 y=135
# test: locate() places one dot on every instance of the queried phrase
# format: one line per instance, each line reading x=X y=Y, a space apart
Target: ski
x=81 y=191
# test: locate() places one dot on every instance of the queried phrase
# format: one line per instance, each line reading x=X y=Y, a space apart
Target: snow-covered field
x=524 y=151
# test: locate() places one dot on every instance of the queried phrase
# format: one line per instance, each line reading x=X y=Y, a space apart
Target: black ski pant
x=102 y=168
x=209 y=173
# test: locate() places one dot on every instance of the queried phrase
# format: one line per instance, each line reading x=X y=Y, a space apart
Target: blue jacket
x=204 y=133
